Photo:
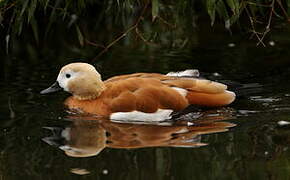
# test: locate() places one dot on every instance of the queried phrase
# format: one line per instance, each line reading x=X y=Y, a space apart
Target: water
x=242 y=141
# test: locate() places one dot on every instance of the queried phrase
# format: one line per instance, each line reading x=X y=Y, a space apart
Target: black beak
x=53 y=88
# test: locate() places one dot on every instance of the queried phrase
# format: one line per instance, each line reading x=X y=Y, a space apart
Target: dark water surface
x=242 y=141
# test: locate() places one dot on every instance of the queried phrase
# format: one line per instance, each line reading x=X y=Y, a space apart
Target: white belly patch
x=160 y=115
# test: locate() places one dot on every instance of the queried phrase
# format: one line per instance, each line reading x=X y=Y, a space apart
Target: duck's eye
x=67 y=75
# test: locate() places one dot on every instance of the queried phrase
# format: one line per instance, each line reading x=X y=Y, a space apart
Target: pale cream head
x=81 y=80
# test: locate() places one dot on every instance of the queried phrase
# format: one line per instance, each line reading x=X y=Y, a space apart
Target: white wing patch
x=181 y=91
x=160 y=115
x=188 y=72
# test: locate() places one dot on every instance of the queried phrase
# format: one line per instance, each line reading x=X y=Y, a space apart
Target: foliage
x=257 y=12
x=150 y=21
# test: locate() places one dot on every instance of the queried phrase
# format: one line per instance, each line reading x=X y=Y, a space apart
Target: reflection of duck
x=85 y=138
x=140 y=96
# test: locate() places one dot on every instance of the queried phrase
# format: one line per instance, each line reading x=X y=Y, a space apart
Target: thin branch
x=94 y=44
x=261 y=35
x=269 y=22
x=12 y=113
x=283 y=9
x=277 y=14
x=253 y=27
x=56 y=8
x=134 y=26
x=142 y=37
x=256 y=4
x=2 y=10
x=165 y=22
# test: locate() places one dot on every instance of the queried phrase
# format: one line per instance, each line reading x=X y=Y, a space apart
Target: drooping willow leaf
x=155 y=9
x=211 y=10
x=80 y=36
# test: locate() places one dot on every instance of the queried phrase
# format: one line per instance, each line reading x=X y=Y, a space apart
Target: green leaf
x=24 y=6
x=80 y=36
x=234 y=5
x=46 y=4
x=52 y=16
x=7 y=40
x=35 y=29
x=31 y=9
x=155 y=9
x=260 y=8
x=67 y=5
x=1 y=19
x=19 y=25
x=211 y=9
x=236 y=8
x=223 y=13
x=81 y=4
x=234 y=19
x=3 y=3
x=222 y=10
x=288 y=7
x=253 y=10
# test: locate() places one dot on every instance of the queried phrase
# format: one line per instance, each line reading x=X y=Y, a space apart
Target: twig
x=256 y=4
x=12 y=113
x=261 y=35
x=253 y=26
x=269 y=22
x=94 y=44
x=56 y=8
x=134 y=26
x=277 y=14
x=142 y=37
x=165 y=22
x=283 y=9
x=2 y=10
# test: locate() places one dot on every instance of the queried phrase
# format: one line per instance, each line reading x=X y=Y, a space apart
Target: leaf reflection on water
x=88 y=136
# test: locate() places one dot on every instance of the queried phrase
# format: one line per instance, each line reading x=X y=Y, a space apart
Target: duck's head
x=80 y=79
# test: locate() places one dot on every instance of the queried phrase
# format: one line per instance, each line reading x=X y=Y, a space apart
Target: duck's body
x=140 y=96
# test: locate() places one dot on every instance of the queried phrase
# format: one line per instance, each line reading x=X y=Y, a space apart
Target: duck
x=137 y=96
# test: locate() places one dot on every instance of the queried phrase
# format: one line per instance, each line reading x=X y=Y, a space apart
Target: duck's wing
x=142 y=94
x=159 y=93
x=203 y=92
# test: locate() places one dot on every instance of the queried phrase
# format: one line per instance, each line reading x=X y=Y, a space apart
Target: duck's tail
x=211 y=99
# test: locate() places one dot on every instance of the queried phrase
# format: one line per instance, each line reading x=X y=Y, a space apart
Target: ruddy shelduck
x=139 y=96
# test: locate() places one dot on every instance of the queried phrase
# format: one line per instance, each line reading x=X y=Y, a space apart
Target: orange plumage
x=139 y=92
x=149 y=92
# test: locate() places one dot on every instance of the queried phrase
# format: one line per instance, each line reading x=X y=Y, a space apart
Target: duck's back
x=144 y=94
x=149 y=93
